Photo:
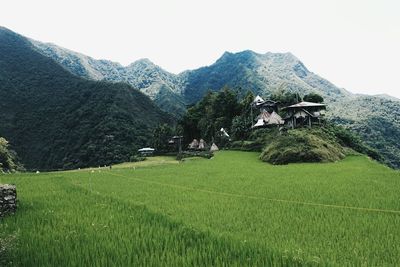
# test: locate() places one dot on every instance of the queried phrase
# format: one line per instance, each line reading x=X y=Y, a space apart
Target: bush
x=189 y=154
x=136 y=158
x=246 y=145
x=302 y=145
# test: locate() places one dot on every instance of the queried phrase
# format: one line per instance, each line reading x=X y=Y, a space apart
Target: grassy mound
x=303 y=145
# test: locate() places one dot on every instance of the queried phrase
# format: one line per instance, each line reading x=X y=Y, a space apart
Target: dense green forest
x=54 y=119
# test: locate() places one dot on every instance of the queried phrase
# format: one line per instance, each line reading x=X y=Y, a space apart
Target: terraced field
x=231 y=210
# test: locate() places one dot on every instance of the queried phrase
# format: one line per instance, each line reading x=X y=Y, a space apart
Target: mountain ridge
x=142 y=74
x=57 y=120
x=245 y=71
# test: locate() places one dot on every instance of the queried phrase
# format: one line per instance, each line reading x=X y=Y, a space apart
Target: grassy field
x=231 y=210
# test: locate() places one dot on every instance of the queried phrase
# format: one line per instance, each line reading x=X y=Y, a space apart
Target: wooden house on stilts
x=304 y=114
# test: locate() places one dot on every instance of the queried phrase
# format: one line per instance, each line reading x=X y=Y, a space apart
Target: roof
x=266 y=118
x=305 y=104
x=274 y=118
x=258 y=99
x=264 y=115
x=260 y=123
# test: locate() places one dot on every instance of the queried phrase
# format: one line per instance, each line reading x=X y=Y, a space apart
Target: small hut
x=194 y=144
x=202 y=144
x=267 y=119
x=304 y=113
x=258 y=101
x=214 y=148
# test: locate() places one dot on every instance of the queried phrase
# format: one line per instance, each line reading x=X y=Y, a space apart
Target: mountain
x=375 y=119
x=54 y=119
x=372 y=117
x=260 y=73
x=161 y=86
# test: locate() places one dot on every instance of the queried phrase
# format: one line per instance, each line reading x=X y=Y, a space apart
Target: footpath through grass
x=231 y=210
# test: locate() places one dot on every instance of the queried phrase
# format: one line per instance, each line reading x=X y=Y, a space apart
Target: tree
x=215 y=111
x=241 y=124
x=312 y=97
x=7 y=157
x=285 y=98
x=161 y=135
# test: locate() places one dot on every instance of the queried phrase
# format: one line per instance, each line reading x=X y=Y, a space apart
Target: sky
x=355 y=44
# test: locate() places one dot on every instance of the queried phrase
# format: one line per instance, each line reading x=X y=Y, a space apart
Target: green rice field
x=231 y=210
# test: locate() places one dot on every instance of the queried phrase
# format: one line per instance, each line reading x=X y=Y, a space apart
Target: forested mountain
x=260 y=73
x=54 y=119
x=161 y=86
x=373 y=117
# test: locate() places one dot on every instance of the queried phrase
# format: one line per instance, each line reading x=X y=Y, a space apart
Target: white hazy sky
x=353 y=43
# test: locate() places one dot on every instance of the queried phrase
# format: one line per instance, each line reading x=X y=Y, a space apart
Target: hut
x=267 y=119
x=258 y=101
x=214 y=148
x=262 y=104
x=304 y=114
x=194 y=144
x=202 y=144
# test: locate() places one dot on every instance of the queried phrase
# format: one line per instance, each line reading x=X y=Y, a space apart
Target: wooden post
x=251 y=115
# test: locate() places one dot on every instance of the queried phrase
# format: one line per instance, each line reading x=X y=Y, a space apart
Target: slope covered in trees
x=54 y=119
x=376 y=120
x=161 y=86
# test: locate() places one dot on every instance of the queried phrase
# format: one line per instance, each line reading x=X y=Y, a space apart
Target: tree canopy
x=8 y=160
x=313 y=97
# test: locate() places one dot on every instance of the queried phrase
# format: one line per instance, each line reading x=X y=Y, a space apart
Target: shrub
x=189 y=154
x=302 y=145
x=136 y=158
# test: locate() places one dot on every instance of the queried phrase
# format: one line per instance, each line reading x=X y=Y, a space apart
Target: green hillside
x=54 y=119
x=231 y=210
x=262 y=74
x=376 y=120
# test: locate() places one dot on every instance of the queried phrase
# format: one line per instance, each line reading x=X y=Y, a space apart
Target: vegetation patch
x=301 y=145
x=194 y=153
x=233 y=210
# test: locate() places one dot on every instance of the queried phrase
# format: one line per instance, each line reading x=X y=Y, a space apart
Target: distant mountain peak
x=242 y=54
x=142 y=62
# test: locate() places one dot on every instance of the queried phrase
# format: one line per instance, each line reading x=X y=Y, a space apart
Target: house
x=304 y=114
x=268 y=104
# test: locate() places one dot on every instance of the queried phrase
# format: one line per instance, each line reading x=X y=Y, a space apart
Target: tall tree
x=313 y=97
x=7 y=157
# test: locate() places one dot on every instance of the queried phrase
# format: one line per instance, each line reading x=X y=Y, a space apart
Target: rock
x=8 y=199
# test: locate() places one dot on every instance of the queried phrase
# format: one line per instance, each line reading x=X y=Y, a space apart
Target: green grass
x=231 y=210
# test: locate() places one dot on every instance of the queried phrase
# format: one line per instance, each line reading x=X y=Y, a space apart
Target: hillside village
x=228 y=157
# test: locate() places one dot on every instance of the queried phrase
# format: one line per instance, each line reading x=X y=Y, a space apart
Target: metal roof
x=305 y=104
x=146 y=149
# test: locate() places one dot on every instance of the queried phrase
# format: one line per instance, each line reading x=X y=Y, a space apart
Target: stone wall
x=8 y=199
